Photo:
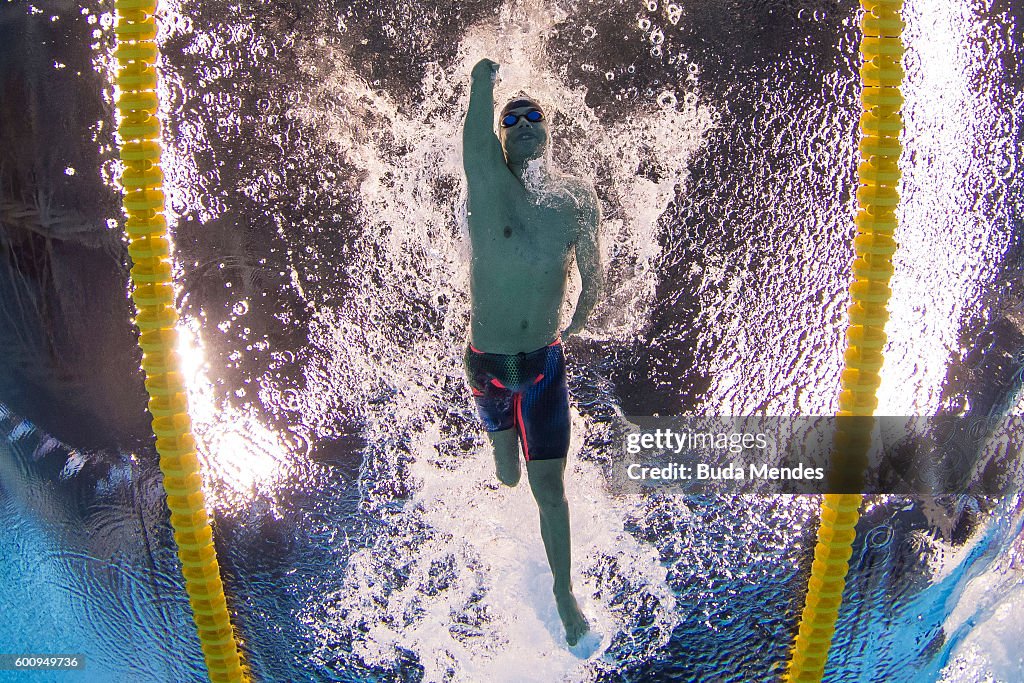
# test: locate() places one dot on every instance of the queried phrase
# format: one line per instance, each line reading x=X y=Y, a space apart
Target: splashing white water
x=458 y=576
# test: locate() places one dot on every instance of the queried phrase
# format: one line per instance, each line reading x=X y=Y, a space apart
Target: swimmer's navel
x=508 y=231
x=523 y=325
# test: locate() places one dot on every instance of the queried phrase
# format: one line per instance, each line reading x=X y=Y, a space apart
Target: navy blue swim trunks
x=526 y=391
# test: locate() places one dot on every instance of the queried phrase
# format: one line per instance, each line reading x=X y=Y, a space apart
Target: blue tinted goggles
x=533 y=116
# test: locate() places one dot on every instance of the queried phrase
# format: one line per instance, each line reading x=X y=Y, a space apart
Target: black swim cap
x=520 y=102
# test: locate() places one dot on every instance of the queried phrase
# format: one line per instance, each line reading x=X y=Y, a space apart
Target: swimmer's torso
x=522 y=252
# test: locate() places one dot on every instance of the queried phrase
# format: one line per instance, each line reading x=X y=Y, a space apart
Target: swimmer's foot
x=572 y=618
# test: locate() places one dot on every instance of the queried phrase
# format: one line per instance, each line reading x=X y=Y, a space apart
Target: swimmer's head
x=521 y=101
x=523 y=129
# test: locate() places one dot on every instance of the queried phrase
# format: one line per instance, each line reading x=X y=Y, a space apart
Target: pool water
x=313 y=173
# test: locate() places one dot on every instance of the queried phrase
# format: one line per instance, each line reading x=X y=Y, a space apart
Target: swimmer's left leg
x=547 y=485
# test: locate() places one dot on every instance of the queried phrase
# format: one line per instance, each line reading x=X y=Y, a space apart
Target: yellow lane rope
x=880 y=124
x=153 y=293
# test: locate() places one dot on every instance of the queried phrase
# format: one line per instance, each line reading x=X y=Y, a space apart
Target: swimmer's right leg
x=506 y=455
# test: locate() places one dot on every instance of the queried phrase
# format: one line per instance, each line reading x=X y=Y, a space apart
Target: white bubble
x=290 y=399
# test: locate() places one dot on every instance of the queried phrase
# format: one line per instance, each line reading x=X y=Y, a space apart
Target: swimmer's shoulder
x=580 y=191
x=583 y=198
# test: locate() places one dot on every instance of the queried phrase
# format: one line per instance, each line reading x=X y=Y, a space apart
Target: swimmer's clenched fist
x=485 y=68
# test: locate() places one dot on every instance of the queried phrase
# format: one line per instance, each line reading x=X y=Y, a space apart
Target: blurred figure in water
x=526 y=223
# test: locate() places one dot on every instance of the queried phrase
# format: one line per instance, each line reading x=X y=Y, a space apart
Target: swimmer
x=526 y=223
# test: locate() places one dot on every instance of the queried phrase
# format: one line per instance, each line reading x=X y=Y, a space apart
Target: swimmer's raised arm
x=481 y=150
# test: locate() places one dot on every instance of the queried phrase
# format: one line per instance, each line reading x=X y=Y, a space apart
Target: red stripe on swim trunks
x=517 y=401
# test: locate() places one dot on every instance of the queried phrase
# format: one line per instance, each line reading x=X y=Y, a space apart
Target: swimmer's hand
x=485 y=68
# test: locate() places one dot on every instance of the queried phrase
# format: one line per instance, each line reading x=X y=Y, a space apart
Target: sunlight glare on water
x=955 y=222
x=242 y=457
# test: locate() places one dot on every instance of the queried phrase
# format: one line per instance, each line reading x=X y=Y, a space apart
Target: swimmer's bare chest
x=529 y=239
x=522 y=252
x=520 y=239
